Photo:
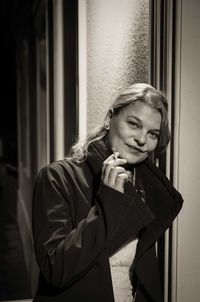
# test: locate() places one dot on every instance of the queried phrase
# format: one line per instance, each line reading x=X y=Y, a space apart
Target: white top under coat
x=120 y=263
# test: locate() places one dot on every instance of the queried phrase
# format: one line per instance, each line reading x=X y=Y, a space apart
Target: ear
x=111 y=112
x=107 y=122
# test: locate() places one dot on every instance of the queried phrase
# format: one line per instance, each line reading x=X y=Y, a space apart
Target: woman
x=98 y=214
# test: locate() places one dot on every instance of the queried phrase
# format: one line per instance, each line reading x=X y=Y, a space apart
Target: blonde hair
x=136 y=92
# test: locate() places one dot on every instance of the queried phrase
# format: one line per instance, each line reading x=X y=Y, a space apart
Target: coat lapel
x=162 y=199
x=165 y=203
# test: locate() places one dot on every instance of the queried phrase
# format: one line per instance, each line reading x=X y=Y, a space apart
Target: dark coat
x=78 y=222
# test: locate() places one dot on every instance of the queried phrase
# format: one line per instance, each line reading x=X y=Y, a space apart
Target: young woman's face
x=134 y=131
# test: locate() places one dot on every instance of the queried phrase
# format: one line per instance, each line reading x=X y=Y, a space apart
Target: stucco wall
x=117 y=51
x=189 y=163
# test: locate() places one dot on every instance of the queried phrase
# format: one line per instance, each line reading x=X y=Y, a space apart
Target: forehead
x=143 y=112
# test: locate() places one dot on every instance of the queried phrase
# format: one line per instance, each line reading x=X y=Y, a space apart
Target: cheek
x=152 y=145
x=124 y=131
x=120 y=132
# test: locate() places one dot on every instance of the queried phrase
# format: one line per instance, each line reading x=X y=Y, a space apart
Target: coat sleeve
x=65 y=252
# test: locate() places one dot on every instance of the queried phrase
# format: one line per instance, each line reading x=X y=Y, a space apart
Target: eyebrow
x=140 y=122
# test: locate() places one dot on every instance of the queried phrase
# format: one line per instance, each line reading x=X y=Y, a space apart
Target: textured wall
x=188 y=159
x=117 y=51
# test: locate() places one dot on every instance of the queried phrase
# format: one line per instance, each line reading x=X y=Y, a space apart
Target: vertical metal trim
x=42 y=143
x=82 y=67
x=156 y=44
x=27 y=100
x=50 y=79
x=157 y=79
x=38 y=103
x=163 y=69
x=166 y=267
x=70 y=29
x=168 y=87
x=47 y=85
x=177 y=85
x=58 y=79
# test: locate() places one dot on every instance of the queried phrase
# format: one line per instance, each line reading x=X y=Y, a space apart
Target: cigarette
x=114 y=153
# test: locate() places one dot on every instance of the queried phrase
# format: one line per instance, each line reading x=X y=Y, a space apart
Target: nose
x=140 y=138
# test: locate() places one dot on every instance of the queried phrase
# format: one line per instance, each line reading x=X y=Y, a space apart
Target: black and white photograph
x=99 y=173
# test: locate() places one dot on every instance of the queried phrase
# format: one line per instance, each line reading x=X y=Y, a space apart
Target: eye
x=133 y=124
x=154 y=135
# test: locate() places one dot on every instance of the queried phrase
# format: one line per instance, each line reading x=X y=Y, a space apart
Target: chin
x=134 y=160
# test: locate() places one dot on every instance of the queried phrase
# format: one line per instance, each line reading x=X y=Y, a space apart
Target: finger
x=114 y=171
x=120 y=180
x=111 y=179
x=119 y=161
x=106 y=171
x=106 y=163
x=111 y=157
x=109 y=165
x=115 y=161
x=120 y=169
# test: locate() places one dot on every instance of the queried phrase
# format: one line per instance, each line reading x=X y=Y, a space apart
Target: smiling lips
x=136 y=149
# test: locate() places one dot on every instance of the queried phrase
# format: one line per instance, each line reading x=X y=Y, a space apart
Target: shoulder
x=63 y=172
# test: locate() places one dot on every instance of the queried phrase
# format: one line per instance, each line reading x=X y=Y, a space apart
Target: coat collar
x=164 y=201
x=162 y=198
x=97 y=153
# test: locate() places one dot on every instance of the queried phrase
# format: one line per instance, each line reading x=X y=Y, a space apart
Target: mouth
x=135 y=149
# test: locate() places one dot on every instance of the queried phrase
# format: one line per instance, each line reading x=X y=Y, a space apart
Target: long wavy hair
x=141 y=92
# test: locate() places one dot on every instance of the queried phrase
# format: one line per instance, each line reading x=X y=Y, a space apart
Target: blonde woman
x=98 y=213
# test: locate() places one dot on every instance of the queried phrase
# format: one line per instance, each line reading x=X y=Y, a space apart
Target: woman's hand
x=113 y=174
